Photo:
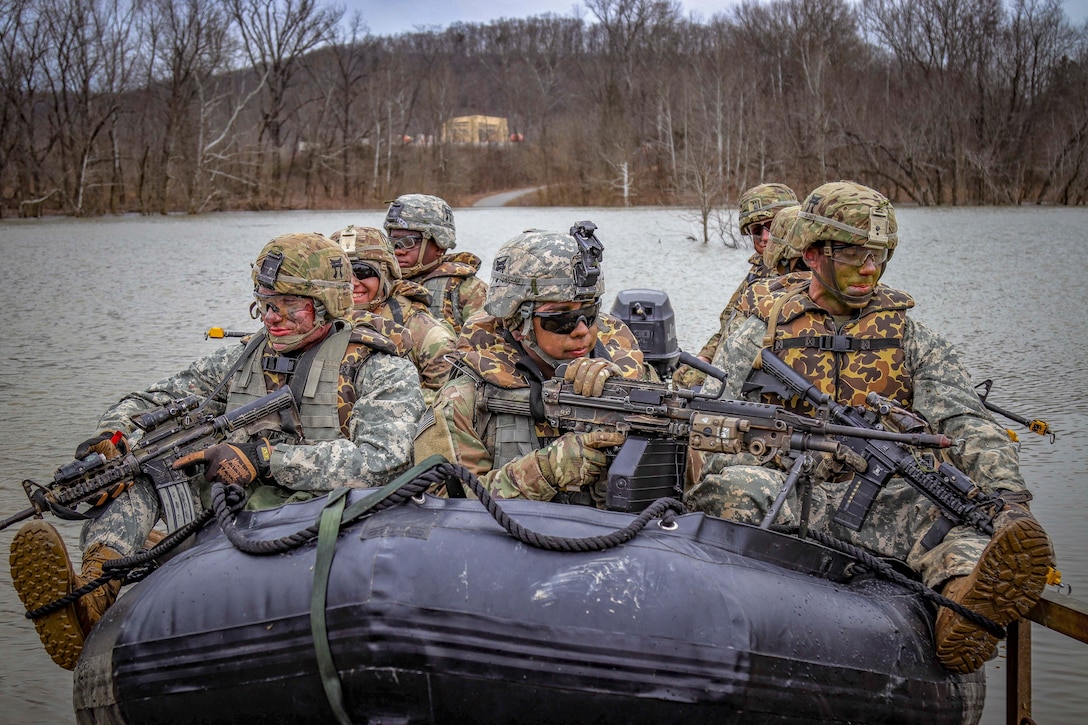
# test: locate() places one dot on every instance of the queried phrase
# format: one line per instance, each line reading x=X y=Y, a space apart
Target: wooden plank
x=1063 y=614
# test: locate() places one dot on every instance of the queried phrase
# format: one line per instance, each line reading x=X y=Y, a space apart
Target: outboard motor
x=648 y=313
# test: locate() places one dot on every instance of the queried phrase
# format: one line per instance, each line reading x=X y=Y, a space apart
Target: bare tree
x=276 y=36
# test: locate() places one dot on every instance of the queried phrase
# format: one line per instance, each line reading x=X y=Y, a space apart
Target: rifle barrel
x=24 y=514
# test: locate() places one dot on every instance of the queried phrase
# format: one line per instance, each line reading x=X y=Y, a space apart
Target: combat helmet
x=540 y=266
x=845 y=212
x=370 y=245
x=759 y=204
x=777 y=250
x=428 y=215
x=307 y=265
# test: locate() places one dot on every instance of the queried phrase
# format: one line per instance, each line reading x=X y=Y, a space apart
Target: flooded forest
x=163 y=106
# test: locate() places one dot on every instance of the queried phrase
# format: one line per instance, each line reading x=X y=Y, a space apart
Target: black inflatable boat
x=434 y=613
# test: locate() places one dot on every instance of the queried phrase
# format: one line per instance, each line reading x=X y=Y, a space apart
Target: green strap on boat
x=334 y=517
x=326 y=547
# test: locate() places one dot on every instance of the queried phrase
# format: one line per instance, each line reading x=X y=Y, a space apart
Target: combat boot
x=1005 y=584
x=42 y=572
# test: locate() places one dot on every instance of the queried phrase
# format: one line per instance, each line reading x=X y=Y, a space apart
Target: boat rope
x=663 y=508
x=883 y=569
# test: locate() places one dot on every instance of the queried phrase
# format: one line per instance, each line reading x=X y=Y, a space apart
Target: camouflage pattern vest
x=864 y=354
x=493 y=362
x=444 y=283
x=326 y=393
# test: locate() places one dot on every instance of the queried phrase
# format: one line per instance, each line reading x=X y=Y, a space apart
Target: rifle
x=959 y=499
x=171 y=432
x=661 y=423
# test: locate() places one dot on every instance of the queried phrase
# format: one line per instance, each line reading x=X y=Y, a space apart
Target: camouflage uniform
x=456 y=292
x=509 y=452
x=358 y=404
x=375 y=447
x=362 y=439
x=758 y=205
x=488 y=361
x=880 y=348
x=403 y=310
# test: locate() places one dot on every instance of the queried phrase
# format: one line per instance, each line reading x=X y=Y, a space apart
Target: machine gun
x=662 y=423
x=171 y=432
x=959 y=499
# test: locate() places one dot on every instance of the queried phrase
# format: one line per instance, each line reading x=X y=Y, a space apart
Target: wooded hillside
x=156 y=106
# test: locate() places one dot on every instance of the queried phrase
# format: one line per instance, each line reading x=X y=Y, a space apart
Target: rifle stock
x=171 y=432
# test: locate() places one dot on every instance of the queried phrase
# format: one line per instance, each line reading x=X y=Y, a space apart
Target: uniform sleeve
x=453 y=434
x=944 y=395
x=473 y=295
x=380 y=431
x=433 y=345
x=199 y=379
x=735 y=356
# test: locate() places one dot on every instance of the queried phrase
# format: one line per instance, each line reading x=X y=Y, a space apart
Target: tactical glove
x=577 y=459
x=232 y=463
x=110 y=443
x=589 y=375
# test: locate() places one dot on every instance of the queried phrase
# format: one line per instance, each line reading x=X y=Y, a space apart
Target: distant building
x=476 y=130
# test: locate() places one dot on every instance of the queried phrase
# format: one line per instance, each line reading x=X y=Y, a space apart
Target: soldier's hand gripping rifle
x=959 y=499
x=661 y=423
x=171 y=432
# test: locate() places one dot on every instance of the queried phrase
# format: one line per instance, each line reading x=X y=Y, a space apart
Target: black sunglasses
x=565 y=322
x=362 y=270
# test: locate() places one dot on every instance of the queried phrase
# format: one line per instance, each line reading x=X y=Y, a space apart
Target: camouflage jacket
x=379 y=426
x=456 y=292
x=416 y=334
x=942 y=394
x=460 y=429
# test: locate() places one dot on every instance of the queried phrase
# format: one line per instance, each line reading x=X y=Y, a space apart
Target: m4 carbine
x=171 y=432
x=959 y=499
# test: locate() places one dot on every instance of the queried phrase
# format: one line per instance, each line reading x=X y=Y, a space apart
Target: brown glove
x=110 y=443
x=231 y=463
x=589 y=375
x=576 y=459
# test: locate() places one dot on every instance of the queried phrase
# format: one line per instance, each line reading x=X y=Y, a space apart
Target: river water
x=95 y=308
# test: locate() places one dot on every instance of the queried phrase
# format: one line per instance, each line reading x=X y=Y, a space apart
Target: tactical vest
x=440 y=287
x=327 y=394
x=507 y=436
x=444 y=284
x=865 y=354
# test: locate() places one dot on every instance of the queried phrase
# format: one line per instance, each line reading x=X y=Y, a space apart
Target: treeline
x=157 y=106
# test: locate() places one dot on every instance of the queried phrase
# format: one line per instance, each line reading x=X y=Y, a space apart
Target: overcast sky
x=388 y=18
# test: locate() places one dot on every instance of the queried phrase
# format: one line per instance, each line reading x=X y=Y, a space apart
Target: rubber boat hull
x=436 y=614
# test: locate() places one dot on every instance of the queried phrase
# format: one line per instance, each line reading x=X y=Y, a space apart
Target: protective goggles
x=362 y=270
x=286 y=306
x=564 y=322
x=855 y=255
x=408 y=241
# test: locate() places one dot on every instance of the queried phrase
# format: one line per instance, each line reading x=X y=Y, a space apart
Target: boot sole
x=1008 y=581
x=41 y=573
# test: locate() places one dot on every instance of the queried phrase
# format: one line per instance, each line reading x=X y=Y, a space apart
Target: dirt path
x=505 y=197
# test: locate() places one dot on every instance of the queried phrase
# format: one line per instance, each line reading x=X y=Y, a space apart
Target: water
x=94 y=309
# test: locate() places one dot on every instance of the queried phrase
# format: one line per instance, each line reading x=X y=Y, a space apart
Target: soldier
x=543 y=309
x=401 y=305
x=421 y=228
x=758 y=208
x=849 y=335
x=358 y=417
